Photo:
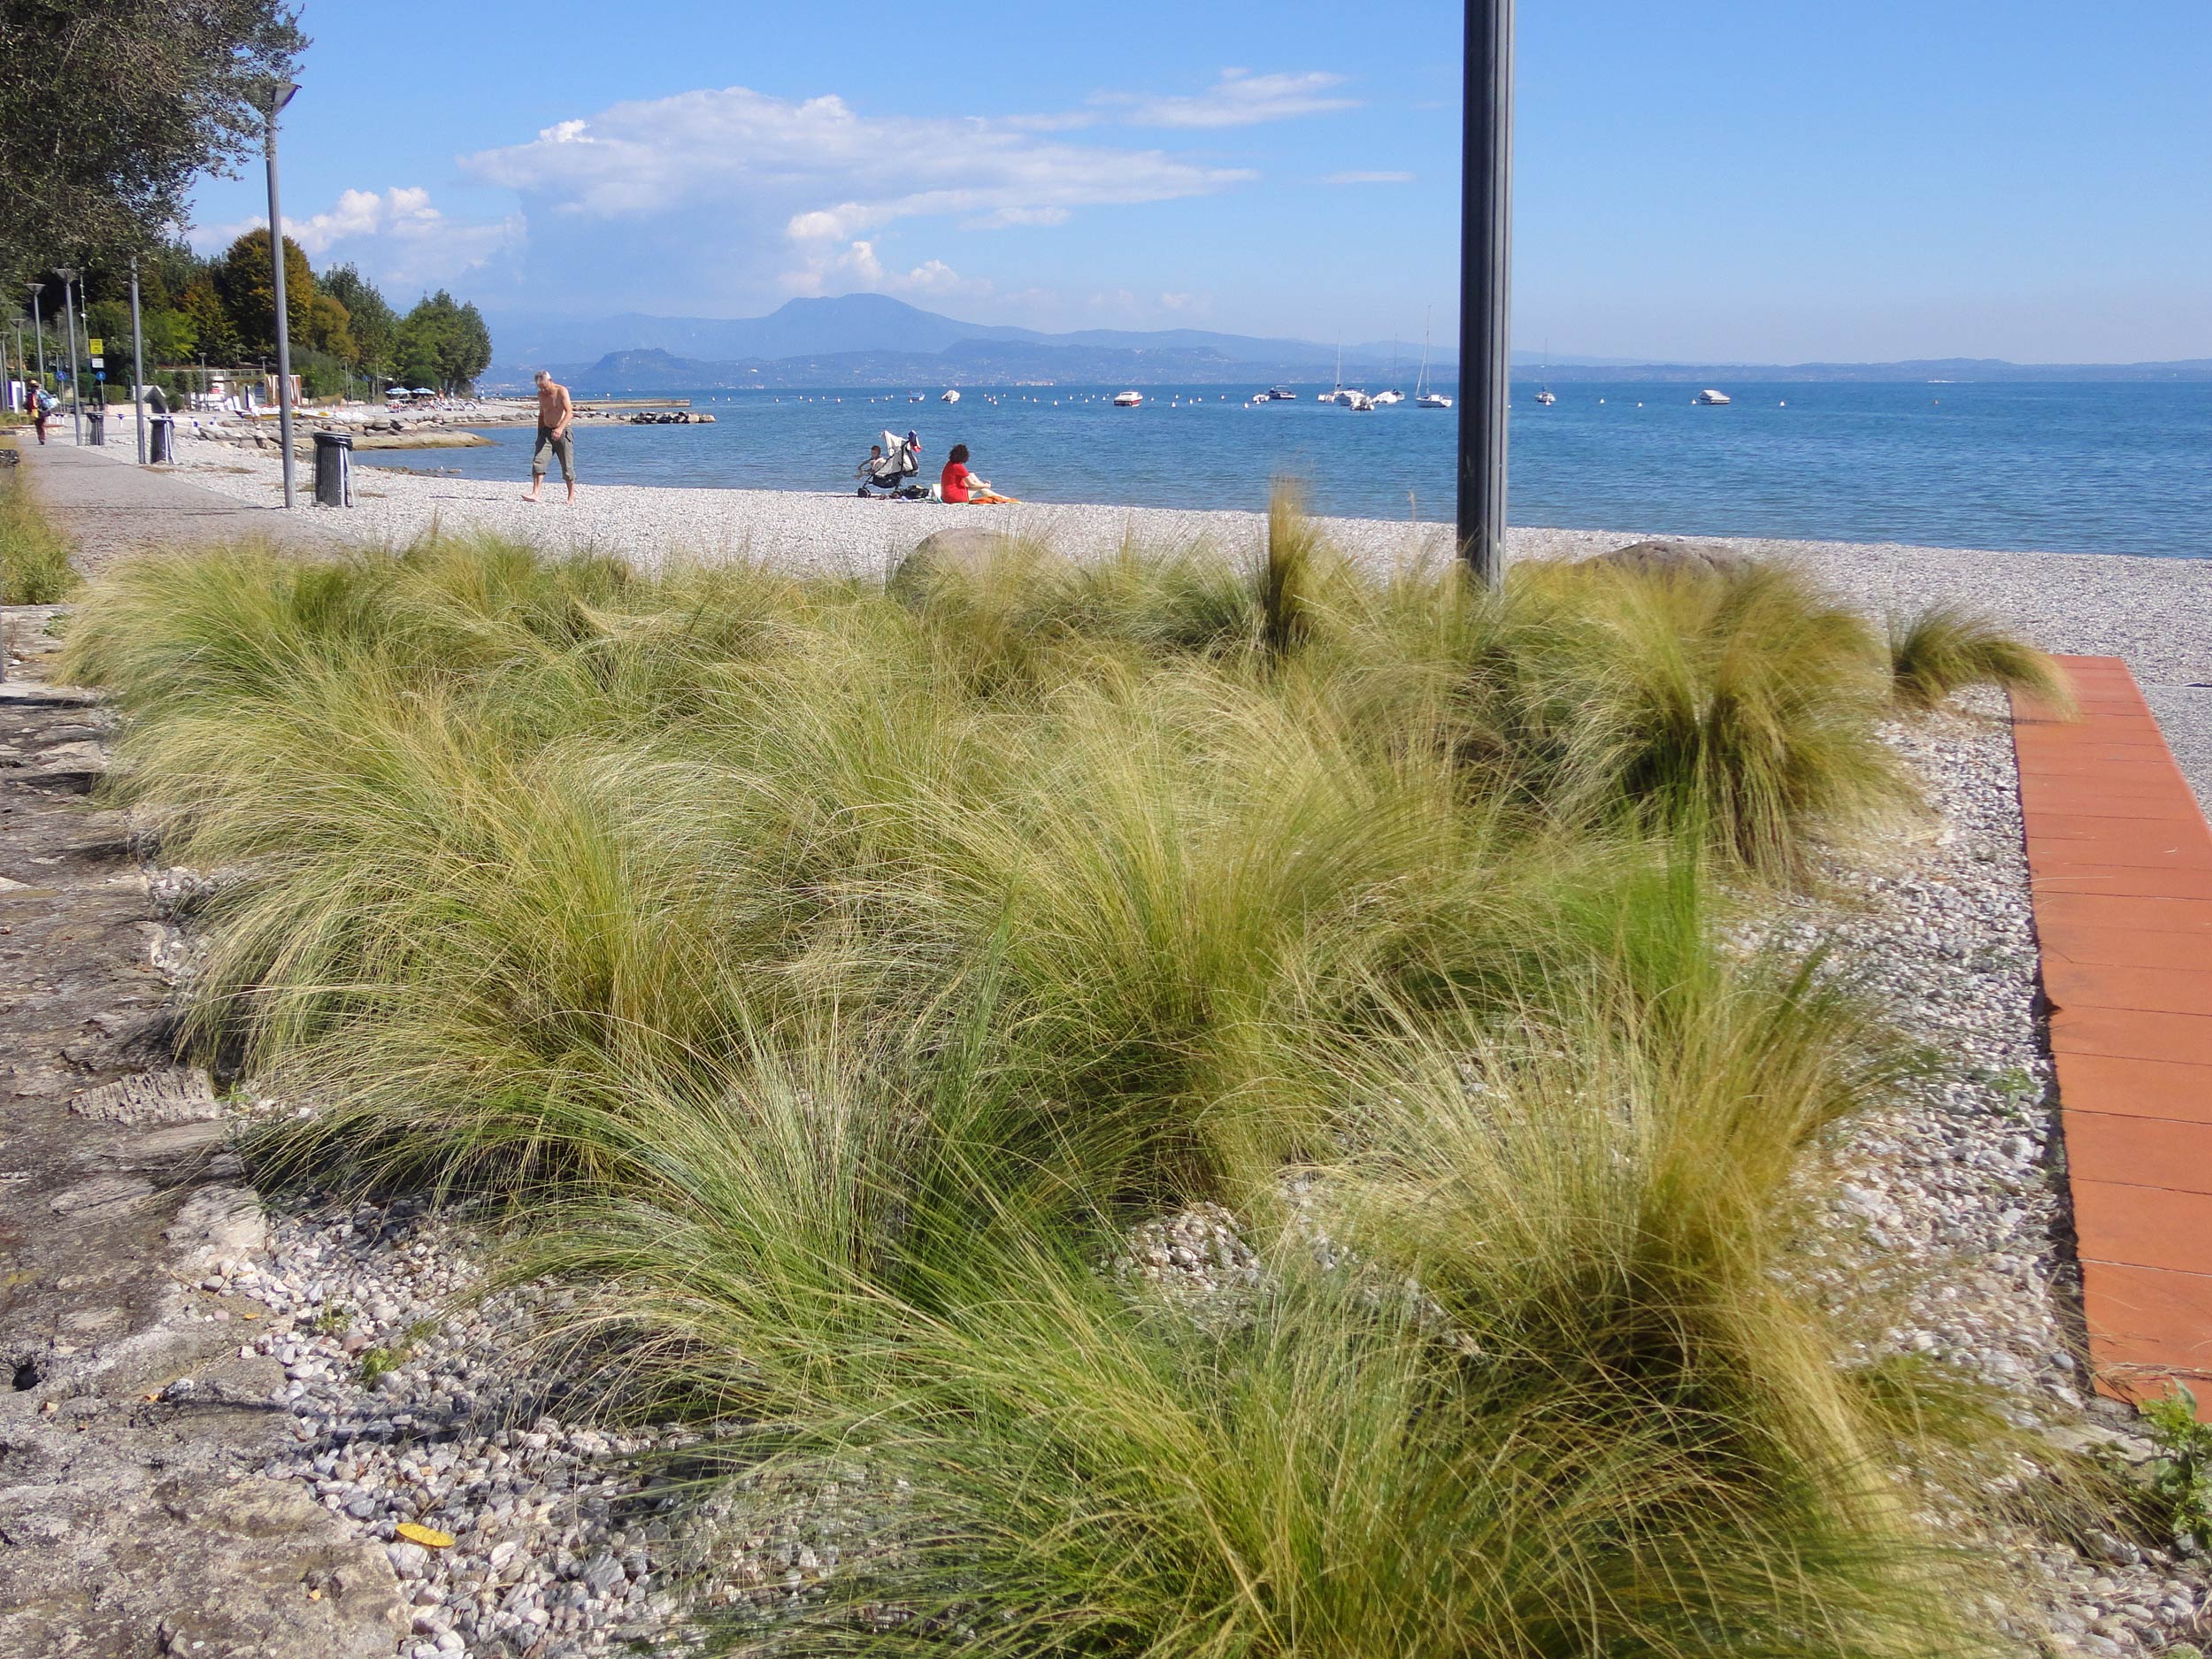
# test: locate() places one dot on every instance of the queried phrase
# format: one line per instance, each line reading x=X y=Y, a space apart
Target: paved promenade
x=113 y=508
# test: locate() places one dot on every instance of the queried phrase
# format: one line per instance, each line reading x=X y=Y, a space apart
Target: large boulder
x=1669 y=558
x=965 y=549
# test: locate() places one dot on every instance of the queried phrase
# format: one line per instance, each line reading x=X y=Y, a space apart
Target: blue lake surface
x=2081 y=468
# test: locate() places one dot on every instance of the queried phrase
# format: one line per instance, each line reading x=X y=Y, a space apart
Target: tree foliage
x=109 y=109
x=442 y=343
x=246 y=282
x=373 y=324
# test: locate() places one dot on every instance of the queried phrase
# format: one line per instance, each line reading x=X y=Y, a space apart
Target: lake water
x=2085 y=468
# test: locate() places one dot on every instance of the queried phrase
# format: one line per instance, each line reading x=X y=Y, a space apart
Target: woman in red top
x=957 y=484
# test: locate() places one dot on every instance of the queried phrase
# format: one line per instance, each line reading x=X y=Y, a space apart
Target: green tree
x=330 y=330
x=372 y=322
x=213 y=336
x=109 y=110
x=444 y=344
x=246 y=284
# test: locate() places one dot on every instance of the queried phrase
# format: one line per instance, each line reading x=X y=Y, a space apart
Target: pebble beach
x=2156 y=613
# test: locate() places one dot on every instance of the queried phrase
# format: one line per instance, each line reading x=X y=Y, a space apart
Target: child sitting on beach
x=959 y=485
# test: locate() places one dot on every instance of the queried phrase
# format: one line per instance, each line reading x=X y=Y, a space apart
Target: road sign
x=94 y=345
x=99 y=375
x=98 y=362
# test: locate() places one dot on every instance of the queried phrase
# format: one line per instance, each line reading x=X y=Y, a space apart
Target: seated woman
x=957 y=484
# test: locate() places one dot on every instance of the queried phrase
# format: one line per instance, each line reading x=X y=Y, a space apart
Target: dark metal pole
x=138 y=364
x=38 y=332
x=280 y=95
x=1486 y=269
x=76 y=367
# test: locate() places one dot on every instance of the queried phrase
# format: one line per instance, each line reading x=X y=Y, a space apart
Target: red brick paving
x=2120 y=858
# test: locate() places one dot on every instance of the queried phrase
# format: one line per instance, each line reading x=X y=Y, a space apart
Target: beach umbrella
x=426 y=391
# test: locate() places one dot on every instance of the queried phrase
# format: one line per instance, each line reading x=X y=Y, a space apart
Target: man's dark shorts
x=564 y=448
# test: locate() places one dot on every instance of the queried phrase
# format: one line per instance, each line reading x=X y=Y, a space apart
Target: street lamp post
x=1486 y=255
x=279 y=95
x=68 y=275
x=138 y=364
x=38 y=331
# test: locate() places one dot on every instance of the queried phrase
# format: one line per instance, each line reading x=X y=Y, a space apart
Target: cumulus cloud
x=857 y=265
x=828 y=170
x=396 y=236
x=736 y=193
x=1367 y=177
x=1239 y=98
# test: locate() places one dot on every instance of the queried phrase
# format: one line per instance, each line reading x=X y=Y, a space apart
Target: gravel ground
x=2157 y=613
x=1949 y=1234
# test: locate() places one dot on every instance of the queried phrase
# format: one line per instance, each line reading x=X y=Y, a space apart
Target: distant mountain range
x=873 y=340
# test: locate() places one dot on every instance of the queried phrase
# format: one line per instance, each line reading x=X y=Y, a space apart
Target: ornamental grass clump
x=34 y=567
x=828 y=979
x=1943 y=649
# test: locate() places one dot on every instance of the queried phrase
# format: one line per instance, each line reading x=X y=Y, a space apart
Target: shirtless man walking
x=557 y=411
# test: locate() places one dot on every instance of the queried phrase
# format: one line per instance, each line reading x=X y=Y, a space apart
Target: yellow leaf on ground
x=429 y=1538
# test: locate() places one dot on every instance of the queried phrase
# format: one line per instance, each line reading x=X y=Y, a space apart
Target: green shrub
x=2181 y=1478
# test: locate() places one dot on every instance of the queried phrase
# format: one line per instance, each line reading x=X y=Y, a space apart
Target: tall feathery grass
x=837 y=974
x=1941 y=651
x=34 y=567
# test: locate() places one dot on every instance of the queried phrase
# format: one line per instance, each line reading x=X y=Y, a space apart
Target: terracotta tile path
x=2121 y=861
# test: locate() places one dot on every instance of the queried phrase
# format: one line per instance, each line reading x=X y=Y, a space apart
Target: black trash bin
x=161 y=445
x=95 y=425
x=334 y=469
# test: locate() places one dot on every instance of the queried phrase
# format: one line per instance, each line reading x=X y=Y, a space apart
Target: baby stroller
x=896 y=475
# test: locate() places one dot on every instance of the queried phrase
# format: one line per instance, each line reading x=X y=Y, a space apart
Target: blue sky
x=1698 y=179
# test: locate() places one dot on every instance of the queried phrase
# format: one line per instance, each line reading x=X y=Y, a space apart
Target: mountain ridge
x=875 y=339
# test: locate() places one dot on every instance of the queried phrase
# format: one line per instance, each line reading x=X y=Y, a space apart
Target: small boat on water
x=1384 y=399
x=1278 y=394
x=1358 y=402
x=1424 y=398
x=1547 y=397
x=1128 y=400
x=949 y=396
x=1708 y=396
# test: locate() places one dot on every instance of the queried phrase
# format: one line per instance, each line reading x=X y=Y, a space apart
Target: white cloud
x=826 y=169
x=741 y=192
x=1367 y=177
x=396 y=236
x=1240 y=98
x=857 y=265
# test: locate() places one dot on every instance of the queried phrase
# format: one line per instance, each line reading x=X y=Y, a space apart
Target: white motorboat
x=1128 y=400
x=1708 y=396
x=949 y=396
x=1384 y=399
x=1547 y=397
x=1359 y=402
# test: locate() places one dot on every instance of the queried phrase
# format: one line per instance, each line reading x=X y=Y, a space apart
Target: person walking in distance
x=557 y=412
